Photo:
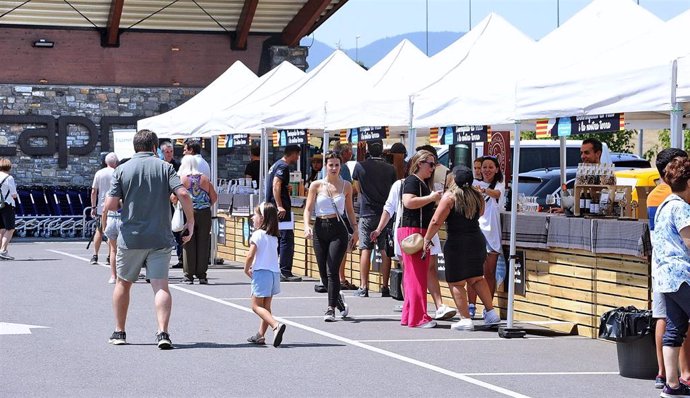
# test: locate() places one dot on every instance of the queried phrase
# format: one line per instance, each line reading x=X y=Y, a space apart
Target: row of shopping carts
x=54 y=211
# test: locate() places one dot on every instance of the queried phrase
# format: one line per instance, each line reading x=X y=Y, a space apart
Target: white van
x=534 y=154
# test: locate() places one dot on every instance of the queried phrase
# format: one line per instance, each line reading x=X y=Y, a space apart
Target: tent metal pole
x=640 y=143
x=676 y=111
x=509 y=331
x=412 y=133
x=214 y=208
x=263 y=162
x=564 y=161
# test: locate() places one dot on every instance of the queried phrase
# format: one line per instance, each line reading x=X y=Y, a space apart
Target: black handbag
x=396 y=283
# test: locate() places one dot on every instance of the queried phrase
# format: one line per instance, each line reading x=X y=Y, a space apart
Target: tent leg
x=509 y=331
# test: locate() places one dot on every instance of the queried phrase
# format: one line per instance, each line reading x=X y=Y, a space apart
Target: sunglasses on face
x=431 y=164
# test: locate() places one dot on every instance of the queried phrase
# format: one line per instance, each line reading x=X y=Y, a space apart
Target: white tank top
x=324 y=203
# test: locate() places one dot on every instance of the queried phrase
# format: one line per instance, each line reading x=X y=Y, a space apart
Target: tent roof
x=235 y=116
x=304 y=104
x=181 y=120
x=479 y=89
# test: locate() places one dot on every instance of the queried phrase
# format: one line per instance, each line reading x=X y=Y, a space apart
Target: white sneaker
x=428 y=325
x=491 y=317
x=463 y=324
x=111 y=280
x=444 y=313
x=345 y=308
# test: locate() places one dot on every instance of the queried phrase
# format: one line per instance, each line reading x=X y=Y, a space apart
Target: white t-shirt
x=266 y=251
x=101 y=183
x=9 y=188
x=490 y=222
x=203 y=166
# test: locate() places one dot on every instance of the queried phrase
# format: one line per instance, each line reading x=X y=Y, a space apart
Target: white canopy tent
x=478 y=90
x=239 y=115
x=180 y=121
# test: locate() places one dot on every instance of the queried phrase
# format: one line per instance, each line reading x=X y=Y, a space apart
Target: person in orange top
x=654 y=199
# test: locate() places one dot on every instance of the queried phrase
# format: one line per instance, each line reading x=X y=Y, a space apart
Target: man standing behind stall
x=374 y=178
x=252 y=169
x=590 y=151
x=277 y=193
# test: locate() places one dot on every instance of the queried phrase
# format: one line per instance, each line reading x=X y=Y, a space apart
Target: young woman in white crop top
x=328 y=199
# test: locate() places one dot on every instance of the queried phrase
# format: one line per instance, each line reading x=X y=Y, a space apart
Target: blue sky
x=376 y=19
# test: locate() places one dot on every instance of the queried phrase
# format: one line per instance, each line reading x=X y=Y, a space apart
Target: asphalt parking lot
x=56 y=317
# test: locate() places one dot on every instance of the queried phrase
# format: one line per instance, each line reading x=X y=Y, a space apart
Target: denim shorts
x=265 y=283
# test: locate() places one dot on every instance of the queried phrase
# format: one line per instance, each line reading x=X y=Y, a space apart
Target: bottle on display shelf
x=588 y=201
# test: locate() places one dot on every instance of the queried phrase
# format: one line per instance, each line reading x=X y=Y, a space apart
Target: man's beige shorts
x=130 y=261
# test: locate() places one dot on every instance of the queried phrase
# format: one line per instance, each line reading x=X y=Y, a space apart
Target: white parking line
x=342 y=339
x=543 y=374
x=458 y=339
x=275 y=298
x=358 y=316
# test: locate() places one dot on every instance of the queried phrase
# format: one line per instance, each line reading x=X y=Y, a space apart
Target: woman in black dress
x=461 y=207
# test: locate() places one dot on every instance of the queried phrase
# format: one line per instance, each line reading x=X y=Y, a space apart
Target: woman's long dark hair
x=499 y=174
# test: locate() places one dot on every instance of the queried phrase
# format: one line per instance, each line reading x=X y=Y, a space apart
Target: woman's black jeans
x=330 y=244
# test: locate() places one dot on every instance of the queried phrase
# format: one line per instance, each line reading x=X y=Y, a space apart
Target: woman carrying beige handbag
x=418 y=206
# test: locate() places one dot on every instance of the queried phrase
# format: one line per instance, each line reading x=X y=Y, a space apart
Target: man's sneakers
x=163 y=341
x=463 y=324
x=659 y=382
x=290 y=278
x=94 y=259
x=361 y=292
x=118 y=338
x=681 y=391
x=491 y=317
x=6 y=256
x=444 y=313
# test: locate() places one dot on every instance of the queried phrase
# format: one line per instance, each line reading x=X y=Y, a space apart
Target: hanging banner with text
x=234 y=140
x=363 y=134
x=453 y=135
x=567 y=126
x=283 y=138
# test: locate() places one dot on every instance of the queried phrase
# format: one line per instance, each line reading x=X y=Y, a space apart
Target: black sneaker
x=385 y=291
x=682 y=391
x=203 y=281
x=178 y=265
x=163 y=340
x=278 y=338
x=94 y=259
x=329 y=316
x=188 y=280
x=320 y=288
x=107 y=260
x=362 y=292
x=118 y=338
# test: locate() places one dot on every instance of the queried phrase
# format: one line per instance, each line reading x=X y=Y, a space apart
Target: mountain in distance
x=372 y=53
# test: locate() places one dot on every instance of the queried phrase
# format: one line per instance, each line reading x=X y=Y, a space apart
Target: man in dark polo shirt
x=277 y=193
x=374 y=177
x=144 y=185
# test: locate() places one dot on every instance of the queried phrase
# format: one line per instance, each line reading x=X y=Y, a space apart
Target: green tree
x=665 y=142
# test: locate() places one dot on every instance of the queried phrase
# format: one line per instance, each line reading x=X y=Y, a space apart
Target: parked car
x=629 y=160
x=541 y=182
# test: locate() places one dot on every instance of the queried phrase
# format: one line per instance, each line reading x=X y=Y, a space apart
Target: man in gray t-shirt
x=144 y=184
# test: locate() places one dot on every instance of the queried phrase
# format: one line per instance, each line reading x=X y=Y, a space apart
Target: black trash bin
x=633 y=332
